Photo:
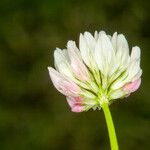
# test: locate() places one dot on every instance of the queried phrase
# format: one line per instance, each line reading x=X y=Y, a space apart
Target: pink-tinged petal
x=133 y=86
x=76 y=104
x=63 y=84
x=77 y=64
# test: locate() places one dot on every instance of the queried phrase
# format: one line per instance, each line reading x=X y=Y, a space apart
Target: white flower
x=102 y=69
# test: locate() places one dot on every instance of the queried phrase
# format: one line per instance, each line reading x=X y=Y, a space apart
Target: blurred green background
x=33 y=115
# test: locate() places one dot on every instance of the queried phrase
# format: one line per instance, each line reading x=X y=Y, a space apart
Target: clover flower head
x=100 y=70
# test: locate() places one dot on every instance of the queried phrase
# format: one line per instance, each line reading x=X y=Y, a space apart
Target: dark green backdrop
x=33 y=115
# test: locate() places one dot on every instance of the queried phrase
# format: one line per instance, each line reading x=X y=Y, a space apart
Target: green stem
x=110 y=126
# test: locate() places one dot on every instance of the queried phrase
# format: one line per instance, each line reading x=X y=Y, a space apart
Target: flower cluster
x=99 y=71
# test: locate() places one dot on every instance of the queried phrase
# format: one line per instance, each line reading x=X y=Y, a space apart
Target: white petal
x=122 y=44
x=77 y=64
x=136 y=53
x=117 y=94
x=121 y=80
x=122 y=52
x=72 y=48
x=62 y=64
x=96 y=35
x=133 y=70
x=84 y=50
x=87 y=47
x=114 y=41
x=134 y=67
x=104 y=53
x=107 y=47
x=137 y=76
x=65 y=53
x=118 y=84
x=99 y=55
x=90 y=40
x=109 y=36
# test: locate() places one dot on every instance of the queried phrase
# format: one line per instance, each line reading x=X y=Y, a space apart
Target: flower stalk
x=110 y=126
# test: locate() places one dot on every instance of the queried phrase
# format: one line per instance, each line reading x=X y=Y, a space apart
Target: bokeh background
x=33 y=115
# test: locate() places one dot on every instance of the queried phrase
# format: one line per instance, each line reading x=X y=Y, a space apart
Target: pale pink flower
x=102 y=68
